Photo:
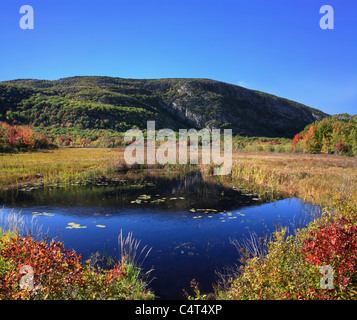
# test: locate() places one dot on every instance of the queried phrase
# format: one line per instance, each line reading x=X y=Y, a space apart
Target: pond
x=188 y=222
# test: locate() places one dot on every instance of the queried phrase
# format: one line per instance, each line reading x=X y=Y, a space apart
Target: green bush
x=291 y=267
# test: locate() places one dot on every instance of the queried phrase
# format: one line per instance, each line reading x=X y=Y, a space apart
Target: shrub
x=13 y=137
x=291 y=267
x=336 y=245
x=56 y=271
x=296 y=139
x=335 y=134
x=59 y=274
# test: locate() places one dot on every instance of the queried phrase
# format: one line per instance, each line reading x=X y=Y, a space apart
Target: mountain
x=120 y=104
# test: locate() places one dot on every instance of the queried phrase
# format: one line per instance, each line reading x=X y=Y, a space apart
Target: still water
x=187 y=222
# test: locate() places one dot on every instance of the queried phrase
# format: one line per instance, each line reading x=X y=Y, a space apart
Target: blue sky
x=275 y=46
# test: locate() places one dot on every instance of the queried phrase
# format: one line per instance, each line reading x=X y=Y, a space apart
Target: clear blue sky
x=274 y=46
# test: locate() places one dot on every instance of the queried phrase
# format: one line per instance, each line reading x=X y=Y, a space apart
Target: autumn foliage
x=295 y=265
x=13 y=137
x=59 y=274
x=56 y=270
x=336 y=134
x=335 y=245
x=296 y=139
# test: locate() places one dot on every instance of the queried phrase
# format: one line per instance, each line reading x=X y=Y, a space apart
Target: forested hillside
x=104 y=103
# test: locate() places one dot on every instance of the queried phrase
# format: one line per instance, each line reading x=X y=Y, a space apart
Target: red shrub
x=296 y=139
x=55 y=269
x=334 y=245
x=112 y=276
x=27 y=138
x=21 y=137
x=340 y=146
x=17 y=136
x=57 y=273
x=11 y=135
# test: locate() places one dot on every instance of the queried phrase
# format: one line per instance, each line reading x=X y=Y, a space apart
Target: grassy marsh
x=311 y=177
x=329 y=181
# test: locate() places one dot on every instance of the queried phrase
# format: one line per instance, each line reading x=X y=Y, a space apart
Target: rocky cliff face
x=186 y=103
x=208 y=103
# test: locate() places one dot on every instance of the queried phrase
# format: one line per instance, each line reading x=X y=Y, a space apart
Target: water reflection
x=188 y=222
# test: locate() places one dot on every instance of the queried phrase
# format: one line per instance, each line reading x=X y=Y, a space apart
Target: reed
x=313 y=178
x=11 y=224
x=132 y=259
x=129 y=250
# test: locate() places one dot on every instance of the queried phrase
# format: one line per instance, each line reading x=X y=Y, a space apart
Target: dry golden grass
x=60 y=165
x=314 y=178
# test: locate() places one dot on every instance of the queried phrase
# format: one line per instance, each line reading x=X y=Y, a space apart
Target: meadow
x=315 y=178
x=287 y=264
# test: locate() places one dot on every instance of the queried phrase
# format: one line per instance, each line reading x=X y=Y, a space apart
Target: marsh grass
x=11 y=224
x=251 y=246
x=14 y=223
x=317 y=179
x=132 y=258
x=55 y=166
x=129 y=250
x=312 y=178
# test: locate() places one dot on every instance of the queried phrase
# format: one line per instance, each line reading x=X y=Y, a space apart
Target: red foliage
x=55 y=268
x=114 y=274
x=340 y=146
x=310 y=133
x=65 y=140
x=334 y=245
x=21 y=137
x=27 y=138
x=296 y=139
x=11 y=136
x=57 y=272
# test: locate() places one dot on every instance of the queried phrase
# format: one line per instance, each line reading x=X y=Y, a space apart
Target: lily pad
x=73 y=225
x=144 y=197
x=36 y=214
x=48 y=214
x=157 y=201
